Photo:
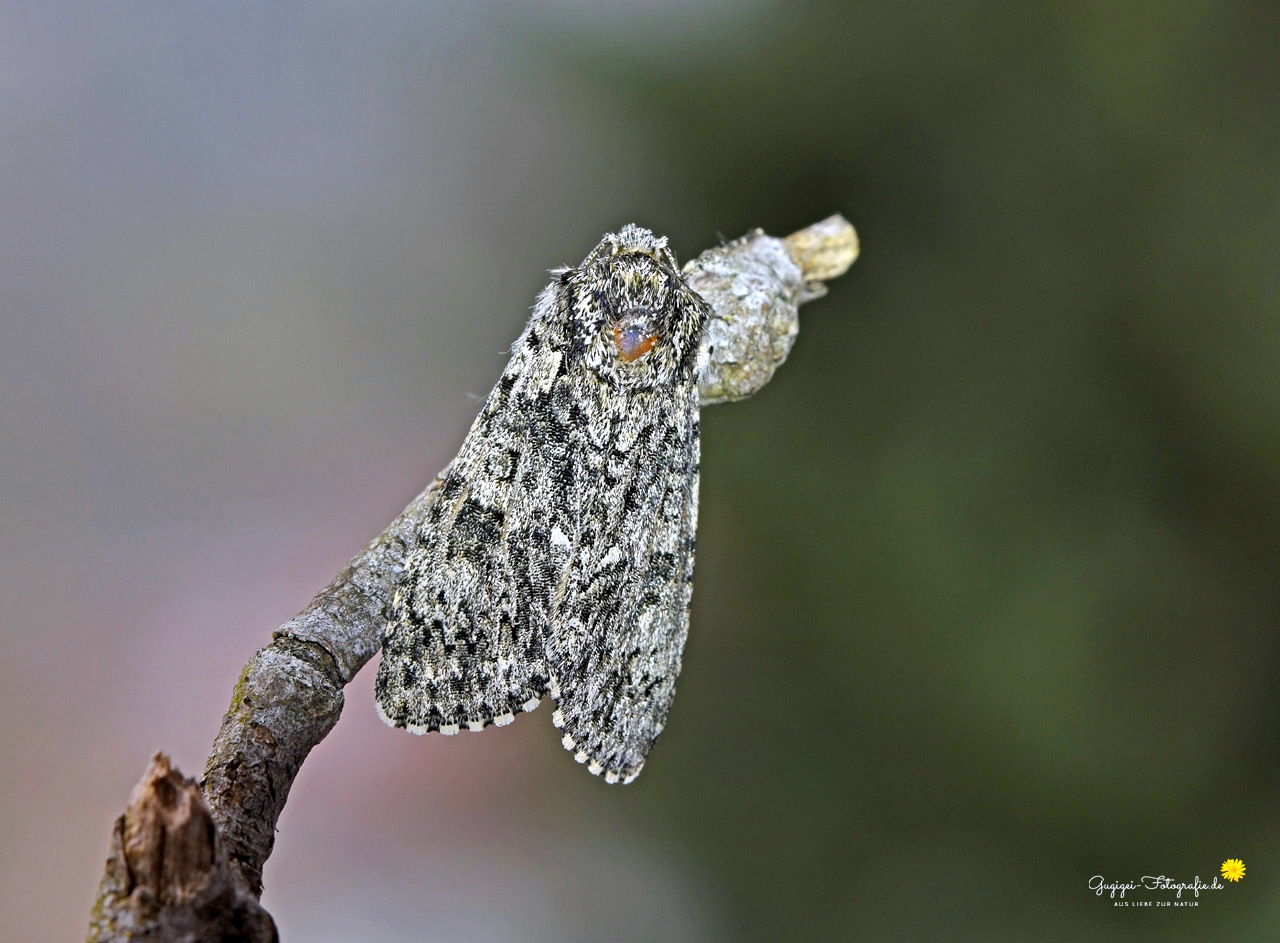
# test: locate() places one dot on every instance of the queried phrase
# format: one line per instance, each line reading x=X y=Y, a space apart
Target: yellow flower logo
x=1233 y=869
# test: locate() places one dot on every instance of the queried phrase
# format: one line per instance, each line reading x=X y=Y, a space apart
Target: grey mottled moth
x=558 y=555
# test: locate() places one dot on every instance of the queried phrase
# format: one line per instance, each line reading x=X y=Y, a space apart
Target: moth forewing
x=559 y=553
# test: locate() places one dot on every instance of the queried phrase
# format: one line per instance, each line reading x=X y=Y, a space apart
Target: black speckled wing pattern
x=558 y=556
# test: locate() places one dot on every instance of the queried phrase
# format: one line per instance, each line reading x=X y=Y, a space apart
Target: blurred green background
x=986 y=595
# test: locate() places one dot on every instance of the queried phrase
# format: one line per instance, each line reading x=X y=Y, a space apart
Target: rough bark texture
x=289 y=695
x=168 y=877
x=187 y=866
x=756 y=285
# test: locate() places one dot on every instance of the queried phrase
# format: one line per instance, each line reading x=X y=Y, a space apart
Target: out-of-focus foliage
x=987 y=589
x=988 y=596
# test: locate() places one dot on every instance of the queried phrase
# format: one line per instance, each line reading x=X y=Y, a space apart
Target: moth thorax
x=634 y=333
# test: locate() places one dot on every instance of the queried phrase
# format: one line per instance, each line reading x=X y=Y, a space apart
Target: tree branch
x=185 y=869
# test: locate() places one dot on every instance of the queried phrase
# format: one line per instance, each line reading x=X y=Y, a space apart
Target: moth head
x=631 y=316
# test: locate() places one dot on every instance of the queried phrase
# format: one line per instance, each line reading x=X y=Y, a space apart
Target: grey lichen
x=756 y=285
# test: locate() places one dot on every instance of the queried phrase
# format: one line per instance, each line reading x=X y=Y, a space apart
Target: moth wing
x=619 y=624
x=464 y=641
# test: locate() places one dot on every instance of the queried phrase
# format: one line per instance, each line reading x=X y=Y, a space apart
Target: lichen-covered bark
x=289 y=695
x=756 y=285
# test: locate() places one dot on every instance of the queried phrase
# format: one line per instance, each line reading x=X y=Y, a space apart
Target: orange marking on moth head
x=631 y=344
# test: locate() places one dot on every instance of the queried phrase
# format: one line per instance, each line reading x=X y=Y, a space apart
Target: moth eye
x=632 y=342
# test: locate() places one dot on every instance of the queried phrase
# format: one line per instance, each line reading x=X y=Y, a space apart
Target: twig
x=167 y=877
x=182 y=869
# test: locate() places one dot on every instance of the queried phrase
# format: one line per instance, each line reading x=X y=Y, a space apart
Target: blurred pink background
x=257 y=267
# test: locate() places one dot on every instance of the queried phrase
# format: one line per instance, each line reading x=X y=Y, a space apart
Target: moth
x=557 y=557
